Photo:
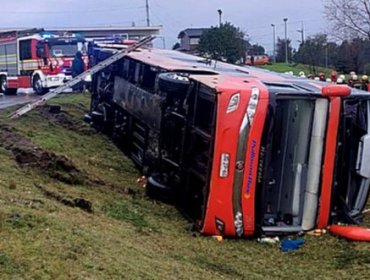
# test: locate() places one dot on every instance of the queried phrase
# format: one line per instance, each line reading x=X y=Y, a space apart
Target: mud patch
x=28 y=155
x=56 y=115
x=81 y=203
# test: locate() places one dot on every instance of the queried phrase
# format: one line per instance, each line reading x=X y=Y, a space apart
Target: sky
x=254 y=17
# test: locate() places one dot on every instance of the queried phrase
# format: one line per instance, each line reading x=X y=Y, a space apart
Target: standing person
x=252 y=59
x=322 y=77
x=356 y=82
x=333 y=76
x=365 y=83
x=78 y=67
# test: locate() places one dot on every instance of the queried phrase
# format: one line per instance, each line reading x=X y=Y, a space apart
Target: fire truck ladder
x=100 y=66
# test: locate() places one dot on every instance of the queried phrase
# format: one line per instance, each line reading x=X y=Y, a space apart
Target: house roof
x=192 y=32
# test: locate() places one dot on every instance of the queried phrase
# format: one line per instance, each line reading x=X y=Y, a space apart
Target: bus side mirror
x=335 y=90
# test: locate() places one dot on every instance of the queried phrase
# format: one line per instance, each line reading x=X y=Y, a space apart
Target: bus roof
x=216 y=73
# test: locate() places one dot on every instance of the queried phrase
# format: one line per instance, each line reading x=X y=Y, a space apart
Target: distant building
x=130 y=32
x=189 y=39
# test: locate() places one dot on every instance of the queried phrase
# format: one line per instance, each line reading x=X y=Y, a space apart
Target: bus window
x=205 y=110
x=149 y=76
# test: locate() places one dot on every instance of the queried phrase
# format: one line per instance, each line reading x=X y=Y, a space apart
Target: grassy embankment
x=296 y=68
x=52 y=166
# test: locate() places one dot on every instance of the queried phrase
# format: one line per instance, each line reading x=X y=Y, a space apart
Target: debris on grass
x=218 y=238
x=317 y=232
x=289 y=245
x=269 y=240
x=142 y=181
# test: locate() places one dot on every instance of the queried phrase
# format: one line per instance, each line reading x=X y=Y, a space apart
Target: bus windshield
x=294 y=151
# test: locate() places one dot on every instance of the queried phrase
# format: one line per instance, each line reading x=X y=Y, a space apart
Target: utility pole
x=273 y=41
x=147 y=13
x=220 y=16
x=302 y=33
x=286 y=40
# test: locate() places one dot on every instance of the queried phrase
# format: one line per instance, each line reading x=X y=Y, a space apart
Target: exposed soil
x=28 y=155
x=71 y=202
x=55 y=114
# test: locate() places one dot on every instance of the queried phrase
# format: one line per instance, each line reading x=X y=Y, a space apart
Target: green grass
x=296 y=68
x=129 y=236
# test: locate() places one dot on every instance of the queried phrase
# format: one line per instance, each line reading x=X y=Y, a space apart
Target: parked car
x=257 y=60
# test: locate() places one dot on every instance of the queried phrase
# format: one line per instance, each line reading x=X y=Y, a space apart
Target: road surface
x=22 y=97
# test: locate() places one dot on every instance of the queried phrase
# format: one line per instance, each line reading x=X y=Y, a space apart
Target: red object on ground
x=354 y=233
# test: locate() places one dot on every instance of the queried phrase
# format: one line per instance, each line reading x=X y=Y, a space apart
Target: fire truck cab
x=35 y=58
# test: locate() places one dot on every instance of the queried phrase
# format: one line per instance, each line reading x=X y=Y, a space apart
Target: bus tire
x=169 y=83
x=37 y=86
x=155 y=189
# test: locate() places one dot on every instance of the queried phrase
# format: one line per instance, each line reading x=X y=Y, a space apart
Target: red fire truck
x=241 y=151
x=37 y=59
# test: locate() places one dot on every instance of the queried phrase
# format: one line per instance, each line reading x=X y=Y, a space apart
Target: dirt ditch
x=55 y=114
x=79 y=202
x=28 y=155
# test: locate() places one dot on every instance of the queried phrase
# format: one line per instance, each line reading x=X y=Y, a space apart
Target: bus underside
x=168 y=132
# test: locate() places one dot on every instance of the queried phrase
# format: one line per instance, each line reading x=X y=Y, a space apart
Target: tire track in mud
x=27 y=154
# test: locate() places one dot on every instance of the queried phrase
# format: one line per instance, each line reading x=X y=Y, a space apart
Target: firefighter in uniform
x=365 y=83
x=78 y=67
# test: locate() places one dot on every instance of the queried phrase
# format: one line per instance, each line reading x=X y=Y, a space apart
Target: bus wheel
x=157 y=190
x=173 y=83
x=37 y=86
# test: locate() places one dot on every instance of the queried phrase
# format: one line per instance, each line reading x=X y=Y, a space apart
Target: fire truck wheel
x=3 y=84
x=4 y=87
x=173 y=83
x=37 y=85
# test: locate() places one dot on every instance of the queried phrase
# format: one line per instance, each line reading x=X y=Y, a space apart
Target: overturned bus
x=241 y=151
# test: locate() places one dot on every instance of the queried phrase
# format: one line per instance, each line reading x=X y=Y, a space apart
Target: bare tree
x=349 y=18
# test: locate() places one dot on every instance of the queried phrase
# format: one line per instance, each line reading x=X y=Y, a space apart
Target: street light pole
x=286 y=41
x=273 y=41
x=220 y=16
x=147 y=12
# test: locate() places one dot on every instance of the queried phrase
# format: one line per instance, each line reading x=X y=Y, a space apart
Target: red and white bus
x=37 y=59
x=241 y=151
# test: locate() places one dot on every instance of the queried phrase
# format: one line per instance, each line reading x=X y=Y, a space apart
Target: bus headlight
x=233 y=103
x=252 y=105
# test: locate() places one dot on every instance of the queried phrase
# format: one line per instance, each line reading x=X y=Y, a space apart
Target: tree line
x=350 y=51
x=349 y=55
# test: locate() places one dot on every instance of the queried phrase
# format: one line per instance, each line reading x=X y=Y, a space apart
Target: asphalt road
x=22 y=97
